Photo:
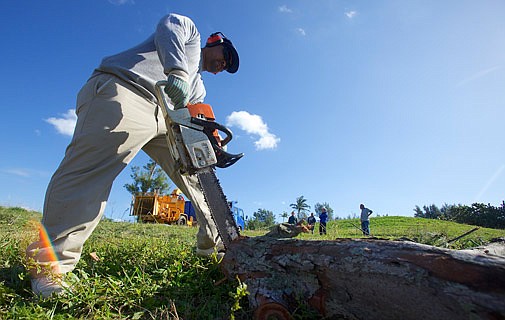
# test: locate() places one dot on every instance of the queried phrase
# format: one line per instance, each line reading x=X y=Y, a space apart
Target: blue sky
x=388 y=103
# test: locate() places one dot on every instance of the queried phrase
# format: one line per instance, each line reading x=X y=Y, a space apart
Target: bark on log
x=367 y=279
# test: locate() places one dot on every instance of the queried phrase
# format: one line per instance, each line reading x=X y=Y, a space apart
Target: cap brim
x=233 y=67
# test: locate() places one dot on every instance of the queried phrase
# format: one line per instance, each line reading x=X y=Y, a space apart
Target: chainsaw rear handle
x=159 y=93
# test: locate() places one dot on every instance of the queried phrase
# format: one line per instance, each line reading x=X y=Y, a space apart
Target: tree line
x=478 y=214
x=150 y=178
x=263 y=218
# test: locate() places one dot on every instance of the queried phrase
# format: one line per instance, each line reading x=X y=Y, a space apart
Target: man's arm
x=173 y=34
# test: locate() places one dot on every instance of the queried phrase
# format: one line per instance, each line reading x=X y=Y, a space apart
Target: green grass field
x=151 y=271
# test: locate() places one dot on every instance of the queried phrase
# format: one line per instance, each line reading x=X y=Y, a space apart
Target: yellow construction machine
x=165 y=209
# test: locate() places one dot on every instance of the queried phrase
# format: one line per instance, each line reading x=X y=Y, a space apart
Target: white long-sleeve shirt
x=174 y=45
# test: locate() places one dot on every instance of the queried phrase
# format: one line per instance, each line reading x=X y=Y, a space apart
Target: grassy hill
x=151 y=271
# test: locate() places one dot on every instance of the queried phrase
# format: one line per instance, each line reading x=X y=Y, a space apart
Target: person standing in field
x=323 y=219
x=311 y=221
x=293 y=219
x=365 y=221
x=118 y=115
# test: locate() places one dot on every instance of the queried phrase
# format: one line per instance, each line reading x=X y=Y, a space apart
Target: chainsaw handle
x=158 y=90
x=224 y=159
x=226 y=131
x=210 y=126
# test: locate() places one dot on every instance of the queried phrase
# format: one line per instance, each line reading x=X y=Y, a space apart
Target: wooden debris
x=94 y=256
x=463 y=235
x=367 y=279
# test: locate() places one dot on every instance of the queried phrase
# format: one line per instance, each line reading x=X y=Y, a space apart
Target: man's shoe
x=209 y=252
x=45 y=287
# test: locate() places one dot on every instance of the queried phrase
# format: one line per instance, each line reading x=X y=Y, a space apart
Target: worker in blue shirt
x=323 y=218
x=292 y=219
x=365 y=221
x=311 y=220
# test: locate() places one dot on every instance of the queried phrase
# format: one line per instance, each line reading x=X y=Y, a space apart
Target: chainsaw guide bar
x=193 y=144
x=219 y=209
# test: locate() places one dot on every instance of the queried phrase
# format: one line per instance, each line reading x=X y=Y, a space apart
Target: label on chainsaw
x=219 y=208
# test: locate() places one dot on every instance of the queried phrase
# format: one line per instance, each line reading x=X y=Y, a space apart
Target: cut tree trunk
x=367 y=279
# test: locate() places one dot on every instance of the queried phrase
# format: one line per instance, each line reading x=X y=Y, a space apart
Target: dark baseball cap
x=229 y=51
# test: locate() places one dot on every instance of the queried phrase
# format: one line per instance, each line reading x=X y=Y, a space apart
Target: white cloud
x=17 y=172
x=25 y=173
x=285 y=9
x=253 y=125
x=66 y=124
x=301 y=31
x=121 y=2
x=350 y=14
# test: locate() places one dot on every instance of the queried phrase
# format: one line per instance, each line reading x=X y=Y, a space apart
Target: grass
x=427 y=231
x=151 y=271
x=143 y=272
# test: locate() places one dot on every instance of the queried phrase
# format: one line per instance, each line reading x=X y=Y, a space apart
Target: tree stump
x=367 y=279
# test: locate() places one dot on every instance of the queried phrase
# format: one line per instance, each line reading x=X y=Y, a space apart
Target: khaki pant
x=113 y=124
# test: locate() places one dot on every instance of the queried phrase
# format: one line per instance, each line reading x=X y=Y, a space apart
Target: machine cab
x=238 y=214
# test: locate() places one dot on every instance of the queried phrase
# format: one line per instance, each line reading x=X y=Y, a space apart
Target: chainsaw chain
x=218 y=205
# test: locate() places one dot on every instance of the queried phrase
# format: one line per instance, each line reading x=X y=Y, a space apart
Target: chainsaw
x=198 y=150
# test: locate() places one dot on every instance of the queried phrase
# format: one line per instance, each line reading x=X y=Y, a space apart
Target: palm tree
x=301 y=207
x=284 y=216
